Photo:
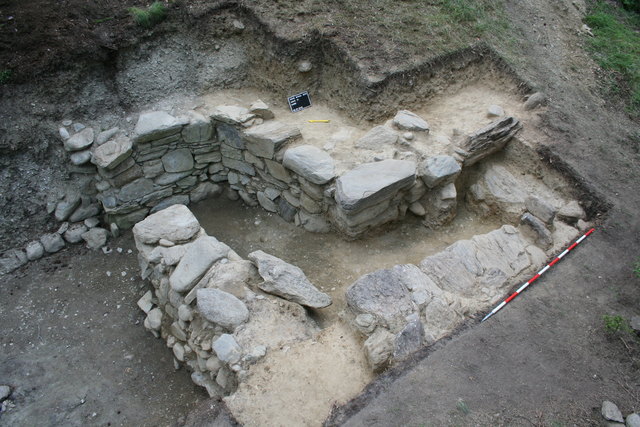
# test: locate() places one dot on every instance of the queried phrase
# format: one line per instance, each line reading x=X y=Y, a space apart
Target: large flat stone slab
x=311 y=163
x=377 y=138
x=231 y=114
x=287 y=281
x=175 y=224
x=155 y=125
x=406 y=120
x=136 y=189
x=371 y=183
x=488 y=140
x=479 y=268
x=112 y=153
x=265 y=139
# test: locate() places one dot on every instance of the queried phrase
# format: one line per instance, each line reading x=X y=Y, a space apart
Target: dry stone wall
x=400 y=309
x=218 y=313
x=247 y=153
x=168 y=160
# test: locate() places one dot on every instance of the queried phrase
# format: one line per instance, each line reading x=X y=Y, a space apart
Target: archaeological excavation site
x=298 y=227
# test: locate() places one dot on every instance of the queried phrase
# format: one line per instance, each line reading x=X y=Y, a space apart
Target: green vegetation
x=636 y=268
x=633 y=5
x=616 y=47
x=462 y=407
x=5 y=76
x=617 y=323
x=99 y=21
x=149 y=17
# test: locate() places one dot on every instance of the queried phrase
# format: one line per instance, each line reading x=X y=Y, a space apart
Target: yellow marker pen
x=319 y=121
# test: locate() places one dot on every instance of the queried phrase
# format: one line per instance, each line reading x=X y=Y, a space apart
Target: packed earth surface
x=103 y=332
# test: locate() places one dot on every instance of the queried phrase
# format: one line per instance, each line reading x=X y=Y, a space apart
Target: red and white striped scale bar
x=540 y=273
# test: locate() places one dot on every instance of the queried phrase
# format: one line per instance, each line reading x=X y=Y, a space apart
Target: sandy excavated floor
x=302 y=382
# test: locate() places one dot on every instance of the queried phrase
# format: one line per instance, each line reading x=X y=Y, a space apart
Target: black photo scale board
x=299 y=101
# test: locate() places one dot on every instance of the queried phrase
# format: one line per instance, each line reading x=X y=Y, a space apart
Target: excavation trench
x=379 y=215
x=302 y=376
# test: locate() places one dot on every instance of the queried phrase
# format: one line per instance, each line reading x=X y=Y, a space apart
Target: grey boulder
x=52 y=242
x=178 y=160
x=378 y=348
x=5 y=392
x=231 y=114
x=261 y=109
x=175 y=223
x=74 y=232
x=106 y=135
x=227 y=349
x=221 y=308
x=535 y=101
x=287 y=281
x=85 y=211
x=80 y=157
x=205 y=190
x=311 y=163
x=439 y=170
x=65 y=208
x=610 y=412
x=80 y=140
x=571 y=212
x=540 y=208
x=199 y=128
x=410 y=339
x=488 y=140
x=480 y=267
x=95 y=238
x=197 y=259
x=34 y=250
x=11 y=260
x=385 y=295
x=112 y=153
x=406 y=120
x=544 y=238
x=633 y=420
x=495 y=111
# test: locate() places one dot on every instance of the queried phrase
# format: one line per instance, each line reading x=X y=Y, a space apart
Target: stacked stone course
x=248 y=154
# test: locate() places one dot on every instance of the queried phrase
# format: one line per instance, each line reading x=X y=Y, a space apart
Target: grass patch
x=5 y=76
x=100 y=21
x=633 y=5
x=636 y=266
x=462 y=406
x=617 y=323
x=616 y=47
x=149 y=17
